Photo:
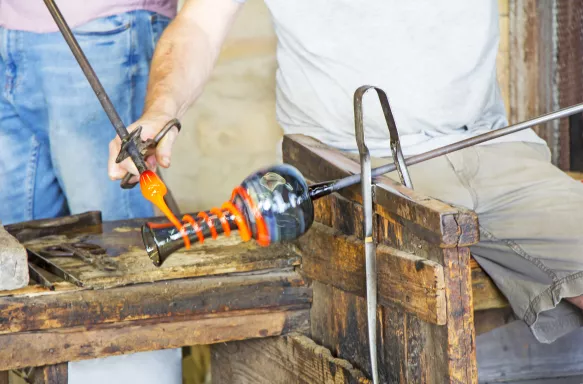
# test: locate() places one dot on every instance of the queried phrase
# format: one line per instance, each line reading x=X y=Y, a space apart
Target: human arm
x=181 y=66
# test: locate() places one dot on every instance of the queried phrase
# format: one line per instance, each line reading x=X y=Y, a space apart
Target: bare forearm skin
x=186 y=54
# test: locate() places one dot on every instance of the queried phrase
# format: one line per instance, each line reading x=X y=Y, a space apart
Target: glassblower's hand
x=161 y=156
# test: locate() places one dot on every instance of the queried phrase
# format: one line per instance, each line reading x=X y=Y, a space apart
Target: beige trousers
x=531 y=226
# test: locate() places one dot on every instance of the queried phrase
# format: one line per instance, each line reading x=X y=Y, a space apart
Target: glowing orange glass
x=154 y=190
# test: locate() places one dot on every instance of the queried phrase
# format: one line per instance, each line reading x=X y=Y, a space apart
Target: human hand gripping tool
x=132 y=144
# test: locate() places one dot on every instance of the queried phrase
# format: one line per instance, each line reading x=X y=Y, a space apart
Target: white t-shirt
x=435 y=60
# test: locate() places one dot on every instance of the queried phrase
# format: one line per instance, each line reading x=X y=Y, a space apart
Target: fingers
x=161 y=156
x=118 y=171
x=113 y=169
x=133 y=179
x=151 y=163
x=128 y=166
x=164 y=149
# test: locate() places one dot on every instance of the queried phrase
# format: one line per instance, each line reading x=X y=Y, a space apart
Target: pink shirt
x=33 y=16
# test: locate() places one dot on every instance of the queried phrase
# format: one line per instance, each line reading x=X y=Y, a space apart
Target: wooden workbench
x=283 y=314
x=221 y=291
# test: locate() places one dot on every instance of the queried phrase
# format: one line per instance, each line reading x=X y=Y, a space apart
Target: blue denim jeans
x=54 y=134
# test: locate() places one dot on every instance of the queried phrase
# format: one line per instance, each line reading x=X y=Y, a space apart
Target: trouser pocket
x=104 y=26
x=158 y=24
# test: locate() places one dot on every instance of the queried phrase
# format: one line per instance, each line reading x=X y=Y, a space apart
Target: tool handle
x=151 y=144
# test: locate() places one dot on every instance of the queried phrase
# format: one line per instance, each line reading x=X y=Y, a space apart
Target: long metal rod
x=369 y=246
x=106 y=103
x=565 y=112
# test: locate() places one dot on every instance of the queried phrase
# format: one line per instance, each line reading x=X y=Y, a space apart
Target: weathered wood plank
x=122 y=241
x=50 y=374
x=4 y=377
x=160 y=301
x=486 y=294
x=346 y=217
x=408 y=348
x=338 y=322
x=461 y=338
x=319 y=162
x=414 y=283
x=323 y=210
x=392 y=232
x=87 y=222
x=34 y=288
x=280 y=360
x=511 y=354
x=455 y=226
x=80 y=343
x=485 y=321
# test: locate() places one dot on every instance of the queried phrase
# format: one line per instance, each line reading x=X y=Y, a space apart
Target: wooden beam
x=533 y=68
x=50 y=374
x=158 y=301
x=87 y=222
x=280 y=360
x=461 y=338
x=81 y=343
x=485 y=321
x=409 y=350
x=486 y=294
x=413 y=283
x=318 y=162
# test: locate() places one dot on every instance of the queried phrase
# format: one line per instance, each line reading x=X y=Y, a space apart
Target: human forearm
x=182 y=63
x=186 y=54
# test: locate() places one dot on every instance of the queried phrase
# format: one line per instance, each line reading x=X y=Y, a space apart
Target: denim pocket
x=158 y=23
x=104 y=26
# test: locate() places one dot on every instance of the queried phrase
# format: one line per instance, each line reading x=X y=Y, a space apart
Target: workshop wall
x=503 y=58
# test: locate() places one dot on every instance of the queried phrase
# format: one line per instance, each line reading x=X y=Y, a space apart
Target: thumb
x=164 y=149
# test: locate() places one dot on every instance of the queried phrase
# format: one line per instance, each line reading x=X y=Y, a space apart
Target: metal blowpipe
x=323 y=189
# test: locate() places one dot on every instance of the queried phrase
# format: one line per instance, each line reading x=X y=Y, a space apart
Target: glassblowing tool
x=54 y=268
x=366 y=183
x=132 y=144
x=91 y=254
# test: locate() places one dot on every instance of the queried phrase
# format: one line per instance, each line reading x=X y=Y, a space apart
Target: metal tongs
x=366 y=183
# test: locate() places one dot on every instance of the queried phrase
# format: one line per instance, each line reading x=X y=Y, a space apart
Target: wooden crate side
x=411 y=282
x=280 y=360
x=411 y=349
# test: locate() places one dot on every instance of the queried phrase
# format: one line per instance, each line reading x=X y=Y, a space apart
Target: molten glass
x=271 y=205
x=154 y=190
